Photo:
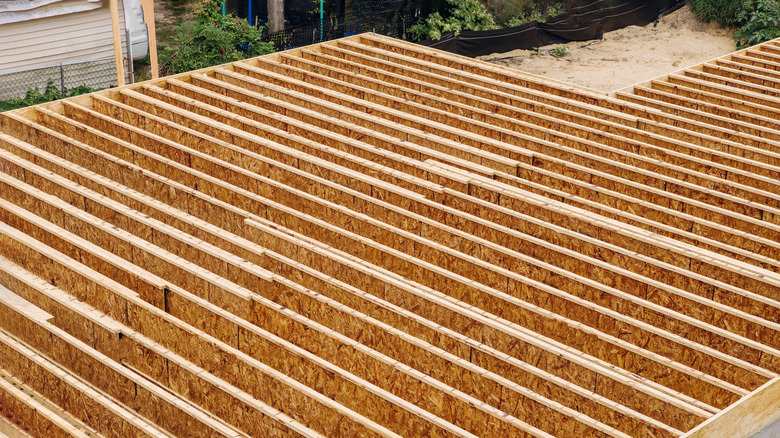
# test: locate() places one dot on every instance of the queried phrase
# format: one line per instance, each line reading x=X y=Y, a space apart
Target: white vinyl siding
x=81 y=36
x=26 y=47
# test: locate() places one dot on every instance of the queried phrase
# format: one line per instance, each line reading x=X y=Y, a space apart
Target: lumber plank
x=81 y=229
x=715 y=99
x=116 y=380
x=24 y=407
x=565 y=108
x=151 y=321
x=744 y=278
x=758 y=71
x=594 y=161
x=320 y=69
x=732 y=82
x=368 y=237
x=699 y=110
x=363 y=63
x=628 y=132
x=62 y=388
x=640 y=209
x=746 y=417
x=728 y=90
x=342 y=352
x=344 y=269
x=629 y=422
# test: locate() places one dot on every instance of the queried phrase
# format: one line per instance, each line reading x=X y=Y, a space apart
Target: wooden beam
x=231 y=221
x=386 y=239
x=118 y=58
x=148 y=10
x=624 y=418
x=745 y=417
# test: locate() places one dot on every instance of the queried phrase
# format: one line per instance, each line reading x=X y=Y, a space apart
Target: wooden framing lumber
x=72 y=394
x=745 y=417
x=292 y=304
x=368 y=237
x=80 y=227
x=186 y=371
x=598 y=163
x=102 y=371
x=528 y=171
x=148 y=12
x=21 y=408
x=113 y=7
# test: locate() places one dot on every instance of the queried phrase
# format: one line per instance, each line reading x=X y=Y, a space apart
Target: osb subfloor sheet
x=367 y=237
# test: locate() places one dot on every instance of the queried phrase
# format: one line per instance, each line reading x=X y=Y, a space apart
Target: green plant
x=724 y=12
x=535 y=13
x=34 y=96
x=462 y=15
x=177 y=7
x=560 y=51
x=761 y=23
x=212 y=38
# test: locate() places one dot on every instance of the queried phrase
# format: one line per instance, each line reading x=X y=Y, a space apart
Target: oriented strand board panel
x=366 y=237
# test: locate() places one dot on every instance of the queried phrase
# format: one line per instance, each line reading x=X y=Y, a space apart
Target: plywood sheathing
x=370 y=237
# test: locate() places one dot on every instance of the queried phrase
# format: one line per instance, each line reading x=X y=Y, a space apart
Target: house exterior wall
x=31 y=51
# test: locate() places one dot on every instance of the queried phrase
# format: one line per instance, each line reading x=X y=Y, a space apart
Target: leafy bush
x=463 y=15
x=508 y=14
x=474 y=15
x=560 y=51
x=761 y=23
x=34 y=96
x=724 y=12
x=212 y=39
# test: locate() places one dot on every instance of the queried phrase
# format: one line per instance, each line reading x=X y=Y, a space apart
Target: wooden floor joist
x=366 y=237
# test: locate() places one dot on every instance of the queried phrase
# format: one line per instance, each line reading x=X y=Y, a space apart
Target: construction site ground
x=626 y=56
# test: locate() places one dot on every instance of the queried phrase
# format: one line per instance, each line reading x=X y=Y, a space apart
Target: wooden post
x=120 y=70
x=275 y=15
x=148 y=8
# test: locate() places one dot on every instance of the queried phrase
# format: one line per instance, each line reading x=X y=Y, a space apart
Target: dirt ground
x=168 y=14
x=627 y=56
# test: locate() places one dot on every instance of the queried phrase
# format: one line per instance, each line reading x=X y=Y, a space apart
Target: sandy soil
x=627 y=56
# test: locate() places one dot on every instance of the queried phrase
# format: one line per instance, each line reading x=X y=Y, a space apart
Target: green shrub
x=761 y=23
x=474 y=15
x=34 y=96
x=560 y=51
x=462 y=15
x=512 y=16
x=724 y=12
x=212 y=39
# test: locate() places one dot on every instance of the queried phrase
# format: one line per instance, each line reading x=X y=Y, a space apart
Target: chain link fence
x=96 y=74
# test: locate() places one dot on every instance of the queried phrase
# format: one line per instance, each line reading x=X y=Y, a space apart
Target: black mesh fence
x=391 y=21
x=96 y=74
x=584 y=20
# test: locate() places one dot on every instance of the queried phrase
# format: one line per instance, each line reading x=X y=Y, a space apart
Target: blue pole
x=223 y=9
x=249 y=12
x=322 y=11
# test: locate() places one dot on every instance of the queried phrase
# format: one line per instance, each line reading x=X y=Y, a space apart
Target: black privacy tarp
x=583 y=21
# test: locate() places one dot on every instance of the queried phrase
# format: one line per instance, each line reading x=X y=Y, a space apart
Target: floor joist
x=369 y=237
